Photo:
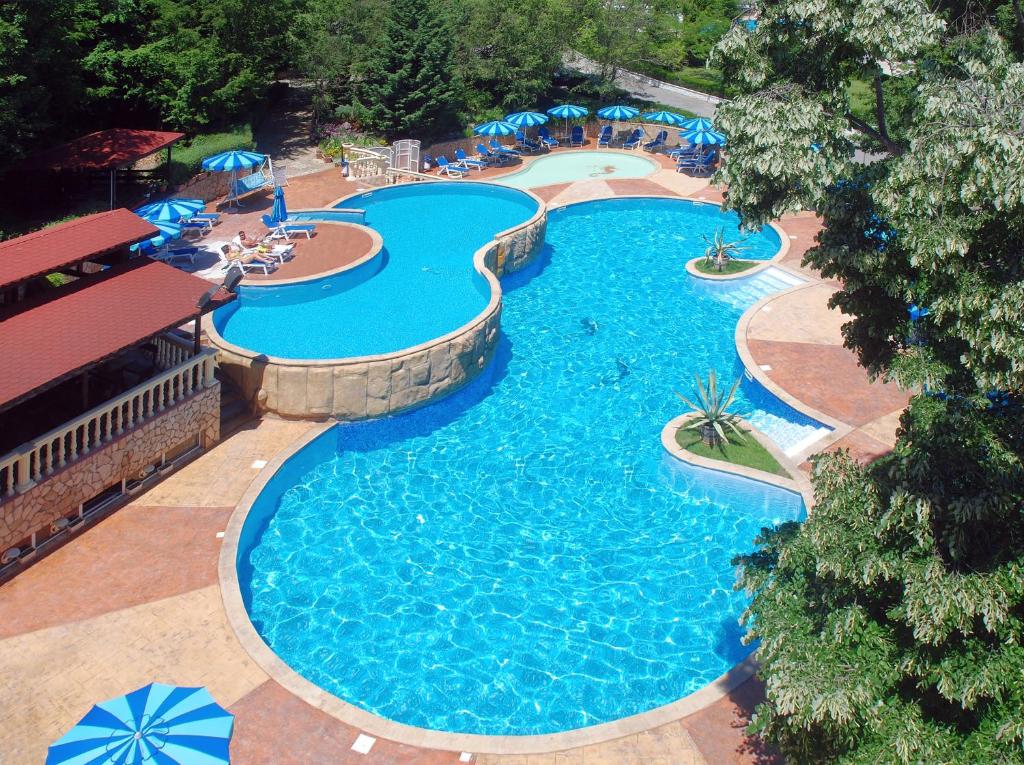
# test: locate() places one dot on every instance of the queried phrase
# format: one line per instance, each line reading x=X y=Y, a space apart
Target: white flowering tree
x=892 y=621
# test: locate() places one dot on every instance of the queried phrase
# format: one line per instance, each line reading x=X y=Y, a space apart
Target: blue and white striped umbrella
x=170 y=209
x=279 y=212
x=232 y=160
x=697 y=123
x=169 y=231
x=617 y=113
x=526 y=119
x=159 y=724
x=498 y=127
x=568 y=112
x=703 y=137
x=667 y=118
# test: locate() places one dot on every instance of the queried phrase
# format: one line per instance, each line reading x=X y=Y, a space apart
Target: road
x=641 y=86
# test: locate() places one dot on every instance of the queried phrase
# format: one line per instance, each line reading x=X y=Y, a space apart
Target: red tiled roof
x=105 y=150
x=96 y=317
x=51 y=249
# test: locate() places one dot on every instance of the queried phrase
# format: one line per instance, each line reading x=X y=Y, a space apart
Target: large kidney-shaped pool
x=522 y=557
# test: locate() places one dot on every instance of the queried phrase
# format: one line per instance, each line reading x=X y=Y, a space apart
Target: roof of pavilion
x=50 y=249
x=46 y=341
x=103 y=150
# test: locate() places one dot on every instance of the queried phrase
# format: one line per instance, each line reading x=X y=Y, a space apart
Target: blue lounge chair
x=200 y=225
x=171 y=254
x=657 y=143
x=491 y=157
x=545 y=138
x=285 y=230
x=634 y=139
x=525 y=144
x=576 y=136
x=444 y=167
x=689 y=150
x=699 y=163
x=605 y=137
x=507 y=150
x=213 y=217
x=461 y=160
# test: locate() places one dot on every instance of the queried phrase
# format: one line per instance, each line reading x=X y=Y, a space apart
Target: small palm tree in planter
x=719 y=252
x=712 y=418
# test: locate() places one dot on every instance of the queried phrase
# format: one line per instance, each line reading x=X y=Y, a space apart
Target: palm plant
x=712 y=418
x=719 y=252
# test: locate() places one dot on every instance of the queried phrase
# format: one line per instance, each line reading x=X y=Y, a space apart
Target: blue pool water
x=424 y=286
x=522 y=557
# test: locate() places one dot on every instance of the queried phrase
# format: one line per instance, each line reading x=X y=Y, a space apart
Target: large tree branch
x=861 y=126
x=880 y=106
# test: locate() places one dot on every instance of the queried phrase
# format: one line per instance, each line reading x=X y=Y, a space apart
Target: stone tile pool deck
x=136 y=599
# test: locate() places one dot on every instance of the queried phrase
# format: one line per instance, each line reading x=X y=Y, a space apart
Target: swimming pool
x=566 y=167
x=425 y=285
x=522 y=557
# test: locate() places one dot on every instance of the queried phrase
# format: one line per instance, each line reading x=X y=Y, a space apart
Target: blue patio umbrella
x=169 y=231
x=497 y=127
x=159 y=724
x=666 y=118
x=697 y=123
x=279 y=212
x=617 y=113
x=703 y=137
x=232 y=160
x=568 y=112
x=170 y=209
x=526 y=119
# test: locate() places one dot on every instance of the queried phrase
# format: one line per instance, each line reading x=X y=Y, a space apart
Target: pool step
x=746 y=292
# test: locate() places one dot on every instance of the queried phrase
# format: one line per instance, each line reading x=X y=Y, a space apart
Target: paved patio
x=136 y=597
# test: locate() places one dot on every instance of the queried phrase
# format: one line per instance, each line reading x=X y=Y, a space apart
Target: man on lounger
x=243 y=242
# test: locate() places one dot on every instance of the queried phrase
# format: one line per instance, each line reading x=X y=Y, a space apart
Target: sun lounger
x=699 y=163
x=634 y=139
x=461 y=160
x=507 y=150
x=525 y=144
x=213 y=217
x=576 y=137
x=169 y=255
x=444 y=167
x=285 y=230
x=657 y=143
x=490 y=157
x=546 y=138
x=224 y=255
x=199 y=226
x=605 y=137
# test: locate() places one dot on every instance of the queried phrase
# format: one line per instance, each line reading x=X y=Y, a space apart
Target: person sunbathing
x=234 y=252
x=243 y=242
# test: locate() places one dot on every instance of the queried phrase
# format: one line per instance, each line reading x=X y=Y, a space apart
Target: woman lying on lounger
x=233 y=252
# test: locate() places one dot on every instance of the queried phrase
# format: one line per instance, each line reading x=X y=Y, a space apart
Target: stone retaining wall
x=372 y=386
x=59 y=495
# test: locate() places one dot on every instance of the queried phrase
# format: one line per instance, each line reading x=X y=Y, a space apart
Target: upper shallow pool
x=522 y=557
x=566 y=167
x=425 y=286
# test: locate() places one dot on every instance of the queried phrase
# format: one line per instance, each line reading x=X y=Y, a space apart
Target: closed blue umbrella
x=497 y=127
x=617 y=113
x=170 y=209
x=169 y=231
x=526 y=119
x=703 y=137
x=232 y=160
x=666 y=118
x=159 y=724
x=697 y=123
x=279 y=212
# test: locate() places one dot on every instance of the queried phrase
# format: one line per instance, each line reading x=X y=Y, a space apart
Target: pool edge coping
x=545 y=743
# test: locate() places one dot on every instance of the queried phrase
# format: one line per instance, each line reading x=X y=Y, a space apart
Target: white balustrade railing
x=171 y=351
x=35 y=460
x=367 y=167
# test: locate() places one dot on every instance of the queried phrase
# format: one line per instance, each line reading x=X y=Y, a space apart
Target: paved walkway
x=136 y=598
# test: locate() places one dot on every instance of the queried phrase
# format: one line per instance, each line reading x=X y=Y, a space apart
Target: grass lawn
x=748 y=452
x=186 y=159
x=732 y=267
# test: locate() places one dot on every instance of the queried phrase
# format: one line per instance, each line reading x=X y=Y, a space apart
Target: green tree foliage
x=408 y=84
x=891 y=622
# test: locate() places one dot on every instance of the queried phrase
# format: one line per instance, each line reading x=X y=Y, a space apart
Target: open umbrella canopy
x=157 y=723
x=170 y=209
x=526 y=119
x=568 y=112
x=697 y=123
x=666 y=118
x=169 y=231
x=703 y=137
x=617 y=113
x=279 y=212
x=232 y=160
x=497 y=127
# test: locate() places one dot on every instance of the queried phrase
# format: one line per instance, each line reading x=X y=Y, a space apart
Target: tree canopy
x=891 y=622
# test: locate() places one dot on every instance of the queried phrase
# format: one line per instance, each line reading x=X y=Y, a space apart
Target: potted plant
x=719 y=252
x=712 y=418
